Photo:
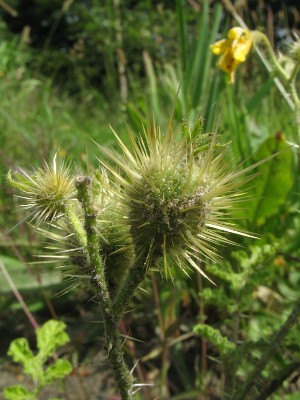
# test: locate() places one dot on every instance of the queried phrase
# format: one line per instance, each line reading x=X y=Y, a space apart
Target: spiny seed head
x=45 y=189
x=114 y=239
x=294 y=50
x=177 y=196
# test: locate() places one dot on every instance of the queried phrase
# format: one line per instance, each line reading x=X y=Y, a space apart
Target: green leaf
x=215 y=337
x=271 y=187
x=51 y=336
x=58 y=370
x=18 y=392
x=22 y=278
x=20 y=351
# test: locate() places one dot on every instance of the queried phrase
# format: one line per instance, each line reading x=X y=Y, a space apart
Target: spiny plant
x=166 y=202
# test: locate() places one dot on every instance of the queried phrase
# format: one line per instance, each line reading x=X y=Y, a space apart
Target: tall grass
x=190 y=87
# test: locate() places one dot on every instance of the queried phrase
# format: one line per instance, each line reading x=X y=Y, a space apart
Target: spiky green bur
x=68 y=242
x=115 y=244
x=166 y=206
x=45 y=189
x=177 y=196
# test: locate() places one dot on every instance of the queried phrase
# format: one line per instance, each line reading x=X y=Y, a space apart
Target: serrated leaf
x=51 y=336
x=18 y=392
x=58 y=370
x=271 y=187
x=215 y=337
x=20 y=351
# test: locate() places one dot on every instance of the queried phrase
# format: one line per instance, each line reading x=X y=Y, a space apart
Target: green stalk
x=96 y=269
x=181 y=19
x=135 y=277
x=260 y=37
x=75 y=223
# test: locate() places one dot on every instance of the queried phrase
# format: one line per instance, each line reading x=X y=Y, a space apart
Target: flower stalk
x=136 y=275
x=96 y=269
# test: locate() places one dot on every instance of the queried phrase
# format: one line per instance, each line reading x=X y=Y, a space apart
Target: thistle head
x=68 y=241
x=45 y=189
x=177 y=197
x=294 y=50
x=115 y=243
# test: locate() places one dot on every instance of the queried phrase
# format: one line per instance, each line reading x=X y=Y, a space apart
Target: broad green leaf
x=51 y=336
x=215 y=337
x=58 y=370
x=22 y=278
x=18 y=392
x=271 y=187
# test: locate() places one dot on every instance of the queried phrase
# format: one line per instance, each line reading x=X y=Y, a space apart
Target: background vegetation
x=68 y=70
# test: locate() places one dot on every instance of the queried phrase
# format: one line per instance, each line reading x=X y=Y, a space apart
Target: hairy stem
x=278 y=338
x=278 y=381
x=75 y=223
x=135 y=277
x=260 y=37
x=96 y=269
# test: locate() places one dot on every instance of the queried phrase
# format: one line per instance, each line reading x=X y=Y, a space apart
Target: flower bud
x=294 y=51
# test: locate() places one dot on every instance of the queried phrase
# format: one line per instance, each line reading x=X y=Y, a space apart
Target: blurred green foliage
x=61 y=85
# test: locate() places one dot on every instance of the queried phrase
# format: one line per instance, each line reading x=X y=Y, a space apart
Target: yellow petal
x=219 y=47
x=235 y=33
x=242 y=47
x=241 y=52
x=227 y=63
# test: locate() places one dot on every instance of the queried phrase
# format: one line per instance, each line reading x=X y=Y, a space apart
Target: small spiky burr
x=45 y=189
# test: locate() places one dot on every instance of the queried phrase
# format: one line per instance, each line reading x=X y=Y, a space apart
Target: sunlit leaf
x=51 y=336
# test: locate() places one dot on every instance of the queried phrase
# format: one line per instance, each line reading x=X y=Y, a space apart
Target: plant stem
x=269 y=352
x=278 y=381
x=261 y=37
x=115 y=355
x=135 y=277
x=18 y=296
x=96 y=269
x=75 y=223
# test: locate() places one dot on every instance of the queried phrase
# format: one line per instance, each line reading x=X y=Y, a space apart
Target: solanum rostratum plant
x=166 y=201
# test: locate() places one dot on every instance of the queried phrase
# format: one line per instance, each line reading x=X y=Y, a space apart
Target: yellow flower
x=233 y=50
